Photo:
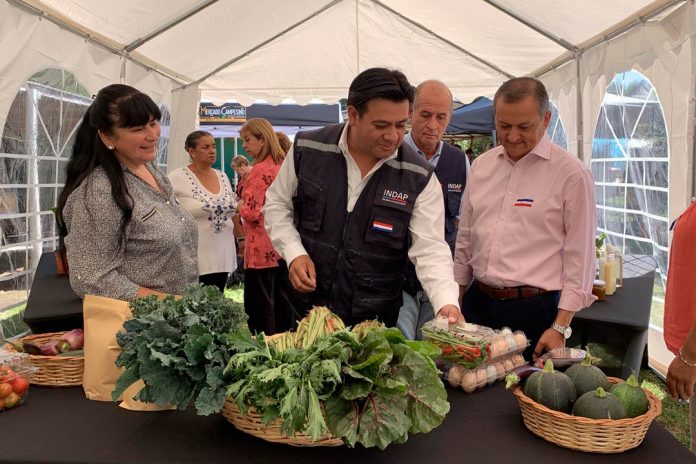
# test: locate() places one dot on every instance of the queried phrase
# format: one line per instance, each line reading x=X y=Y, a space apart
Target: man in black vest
x=430 y=116
x=351 y=206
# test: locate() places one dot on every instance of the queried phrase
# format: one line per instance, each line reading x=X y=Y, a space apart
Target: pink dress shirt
x=258 y=250
x=529 y=223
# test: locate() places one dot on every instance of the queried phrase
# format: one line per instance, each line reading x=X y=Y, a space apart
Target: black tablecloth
x=52 y=306
x=630 y=305
x=60 y=426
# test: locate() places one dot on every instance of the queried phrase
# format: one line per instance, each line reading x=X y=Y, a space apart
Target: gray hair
x=519 y=88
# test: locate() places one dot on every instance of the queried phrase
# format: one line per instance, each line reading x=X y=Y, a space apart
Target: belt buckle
x=501 y=290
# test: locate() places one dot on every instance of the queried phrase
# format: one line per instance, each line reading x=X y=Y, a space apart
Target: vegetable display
x=367 y=386
x=466 y=348
x=70 y=343
x=15 y=370
x=599 y=404
x=551 y=388
x=631 y=396
x=587 y=377
x=179 y=348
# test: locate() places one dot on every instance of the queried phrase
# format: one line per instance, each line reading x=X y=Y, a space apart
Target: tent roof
x=305 y=49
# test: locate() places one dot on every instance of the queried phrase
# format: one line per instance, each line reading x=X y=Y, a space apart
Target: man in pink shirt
x=525 y=254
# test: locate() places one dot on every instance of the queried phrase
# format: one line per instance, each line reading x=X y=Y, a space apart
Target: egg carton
x=470 y=380
x=472 y=345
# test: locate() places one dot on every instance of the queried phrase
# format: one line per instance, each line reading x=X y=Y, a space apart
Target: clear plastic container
x=471 y=345
x=470 y=380
x=15 y=373
x=561 y=357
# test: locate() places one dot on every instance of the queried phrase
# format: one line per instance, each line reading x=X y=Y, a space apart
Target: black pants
x=218 y=279
x=268 y=301
x=531 y=315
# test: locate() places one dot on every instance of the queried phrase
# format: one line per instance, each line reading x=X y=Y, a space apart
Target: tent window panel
x=658 y=231
x=62 y=168
x=49 y=228
x=635 y=172
x=601 y=223
x=599 y=194
x=42 y=122
x=14 y=231
x=47 y=198
x=631 y=127
x=47 y=171
x=163 y=142
x=657 y=173
x=616 y=172
x=13 y=170
x=13 y=140
x=597 y=171
x=614 y=221
x=636 y=247
x=635 y=198
x=13 y=200
x=615 y=196
x=555 y=129
x=657 y=202
x=637 y=226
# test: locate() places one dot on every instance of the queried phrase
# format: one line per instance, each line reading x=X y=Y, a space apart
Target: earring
x=110 y=147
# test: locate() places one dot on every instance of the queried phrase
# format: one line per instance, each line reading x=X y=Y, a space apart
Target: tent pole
x=262 y=44
x=448 y=42
x=176 y=21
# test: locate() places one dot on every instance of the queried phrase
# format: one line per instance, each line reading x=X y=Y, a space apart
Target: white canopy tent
x=184 y=51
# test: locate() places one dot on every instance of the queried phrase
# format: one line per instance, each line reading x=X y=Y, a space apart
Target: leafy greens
x=178 y=347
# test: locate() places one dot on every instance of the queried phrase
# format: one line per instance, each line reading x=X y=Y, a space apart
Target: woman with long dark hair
x=125 y=234
x=206 y=193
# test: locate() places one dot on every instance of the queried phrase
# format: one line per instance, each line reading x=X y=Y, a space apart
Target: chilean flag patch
x=382 y=227
x=524 y=202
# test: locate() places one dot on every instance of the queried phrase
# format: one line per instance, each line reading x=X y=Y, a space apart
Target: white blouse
x=213 y=214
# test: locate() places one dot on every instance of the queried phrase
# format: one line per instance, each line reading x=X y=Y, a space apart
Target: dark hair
x=519 y=88
x=115 y=106
x=192 y=138
x=384 y=83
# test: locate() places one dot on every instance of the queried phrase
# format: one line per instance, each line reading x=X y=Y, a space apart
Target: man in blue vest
x=430 y=115
x=351 y=206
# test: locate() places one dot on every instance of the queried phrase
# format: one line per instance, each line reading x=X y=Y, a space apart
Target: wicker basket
x=583 y=434
x=252 y=424
x=54 y=371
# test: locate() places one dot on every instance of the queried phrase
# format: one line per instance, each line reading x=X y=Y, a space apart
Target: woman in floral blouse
x=206 y=193
x=266 y=286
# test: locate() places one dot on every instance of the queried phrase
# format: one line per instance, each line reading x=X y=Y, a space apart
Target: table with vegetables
x=381 y=398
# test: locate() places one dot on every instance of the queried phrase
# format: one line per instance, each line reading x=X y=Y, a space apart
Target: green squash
x=587 y=377
x=551 y=388
x=632 y=397
x=599 y=405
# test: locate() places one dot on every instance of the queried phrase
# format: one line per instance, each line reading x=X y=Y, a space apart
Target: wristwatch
x=565 y=331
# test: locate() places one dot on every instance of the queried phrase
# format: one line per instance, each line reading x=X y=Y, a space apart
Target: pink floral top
x=258 y=251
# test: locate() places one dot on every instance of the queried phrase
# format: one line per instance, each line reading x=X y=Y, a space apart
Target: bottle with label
x=602 y=267
x=609 y=276
x=618 y=267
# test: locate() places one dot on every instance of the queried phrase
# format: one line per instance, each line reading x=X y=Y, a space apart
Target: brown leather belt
x=510 y=293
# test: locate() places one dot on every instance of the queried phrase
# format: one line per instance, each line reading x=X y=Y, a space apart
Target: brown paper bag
x=103 y=318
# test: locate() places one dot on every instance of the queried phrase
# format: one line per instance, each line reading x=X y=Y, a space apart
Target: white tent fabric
x=183 y=51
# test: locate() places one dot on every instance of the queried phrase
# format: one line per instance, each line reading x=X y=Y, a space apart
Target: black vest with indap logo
x=451 y=173
x=360 y=258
